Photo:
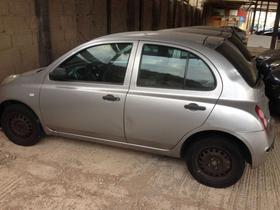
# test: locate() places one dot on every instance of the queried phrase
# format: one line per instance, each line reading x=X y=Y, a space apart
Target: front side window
x=103 y=63
x=172 y=68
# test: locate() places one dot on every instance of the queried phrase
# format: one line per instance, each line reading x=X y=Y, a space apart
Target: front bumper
x=260 y=143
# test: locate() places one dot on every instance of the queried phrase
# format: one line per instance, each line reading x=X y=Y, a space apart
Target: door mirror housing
x=58 y=74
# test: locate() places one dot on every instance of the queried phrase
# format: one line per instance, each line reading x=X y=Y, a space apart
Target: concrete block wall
x=18 y=37
x=73 y=22
x=63 y=25
x=91 y=19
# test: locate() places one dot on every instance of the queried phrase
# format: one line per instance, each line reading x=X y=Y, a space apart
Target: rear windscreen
x=246 y=69
x=243 y=49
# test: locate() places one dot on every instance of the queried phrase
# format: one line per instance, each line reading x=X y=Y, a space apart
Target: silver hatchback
x=181 y=95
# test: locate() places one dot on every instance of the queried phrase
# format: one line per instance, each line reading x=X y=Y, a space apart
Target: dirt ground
x=70 y=174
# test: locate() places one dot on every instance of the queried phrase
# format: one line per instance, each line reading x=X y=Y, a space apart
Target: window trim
x=91 y=44
x=186 y=68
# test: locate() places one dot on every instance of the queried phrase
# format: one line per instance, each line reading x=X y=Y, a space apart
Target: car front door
x=173 y=91
x=85 y=93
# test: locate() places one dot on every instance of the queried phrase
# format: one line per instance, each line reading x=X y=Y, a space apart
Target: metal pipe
x=266 y=13
x=276 y=27
x=156 y=14
x=260 y=15
x=44 y=35
x=141 y=6
x=109 y=16
x=254 y=16
x=174 y=13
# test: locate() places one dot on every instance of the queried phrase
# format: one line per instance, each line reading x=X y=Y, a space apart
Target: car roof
x=215 y=28
x=202 y=31
x=168 y=37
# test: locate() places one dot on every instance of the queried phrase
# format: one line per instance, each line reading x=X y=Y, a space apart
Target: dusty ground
x=68 y=174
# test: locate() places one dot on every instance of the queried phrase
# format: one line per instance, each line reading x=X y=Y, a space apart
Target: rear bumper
x=260 y=143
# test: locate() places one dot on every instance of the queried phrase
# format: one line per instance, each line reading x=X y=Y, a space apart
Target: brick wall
x=73 y=22
x=18 y=37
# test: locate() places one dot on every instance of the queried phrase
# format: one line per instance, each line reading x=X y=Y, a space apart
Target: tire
x=21 y=125
x=215 y=161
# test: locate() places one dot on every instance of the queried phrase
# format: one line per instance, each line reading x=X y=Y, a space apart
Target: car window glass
x=103 y=63
x=198 y=75
x=172 y=68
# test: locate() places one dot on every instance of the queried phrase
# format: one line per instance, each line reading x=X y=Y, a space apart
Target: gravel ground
x=70 y=174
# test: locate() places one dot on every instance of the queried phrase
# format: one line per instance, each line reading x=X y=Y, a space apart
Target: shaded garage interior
x=67 y=174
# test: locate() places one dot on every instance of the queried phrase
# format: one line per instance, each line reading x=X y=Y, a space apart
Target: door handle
x=111 y=98
x=195 y=107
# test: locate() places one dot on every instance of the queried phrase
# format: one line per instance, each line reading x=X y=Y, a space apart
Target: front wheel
x=215 y=161
x=21 y=125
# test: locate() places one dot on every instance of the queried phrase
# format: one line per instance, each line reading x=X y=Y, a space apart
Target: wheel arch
x=242 y=146
x=6 y=103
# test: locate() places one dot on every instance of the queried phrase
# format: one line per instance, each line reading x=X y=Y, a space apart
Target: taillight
x=261 y=116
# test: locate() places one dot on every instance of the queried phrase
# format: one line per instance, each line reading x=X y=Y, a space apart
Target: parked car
x=194 y=97
x=268 y=32
x=268 y=64
x=238 y=32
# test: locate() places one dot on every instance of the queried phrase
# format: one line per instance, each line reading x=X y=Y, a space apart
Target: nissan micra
x=181 y=95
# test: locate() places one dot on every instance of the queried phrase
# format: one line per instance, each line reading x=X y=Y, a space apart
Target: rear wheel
x=21 y=125
x=215 y=161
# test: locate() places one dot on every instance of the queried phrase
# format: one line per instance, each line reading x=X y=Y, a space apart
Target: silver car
x=176 y=94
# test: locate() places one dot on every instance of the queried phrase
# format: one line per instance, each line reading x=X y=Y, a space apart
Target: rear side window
x=173 y=68
x=246 y=69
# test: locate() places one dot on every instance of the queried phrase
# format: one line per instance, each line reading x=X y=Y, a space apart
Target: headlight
x=9 y=79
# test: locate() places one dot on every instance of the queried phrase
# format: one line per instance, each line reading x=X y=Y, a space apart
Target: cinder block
x=85 y=28
x=85 y=7
x=9 y=61
x=57 y=37
x=70 y=35
x=55 y=8
x=5 y=41
x=163 y=13
x=99 y=20
x=147 y=16
x=55 y=23
x=29 y=58
x=59 y=49
x=22 y=39
x=69 y=7
x=32 y=23
x=19 y=8
x=4 y=7
x=68 y=22
x=119 y=15
x=14 y=24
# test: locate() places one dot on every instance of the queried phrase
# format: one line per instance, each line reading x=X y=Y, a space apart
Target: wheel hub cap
x=214 y=162
x=20 y=125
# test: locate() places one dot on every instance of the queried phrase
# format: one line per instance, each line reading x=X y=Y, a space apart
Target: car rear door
x=172 y=91
x=90 y=101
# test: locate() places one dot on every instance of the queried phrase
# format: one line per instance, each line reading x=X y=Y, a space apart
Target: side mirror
x=58 y=74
